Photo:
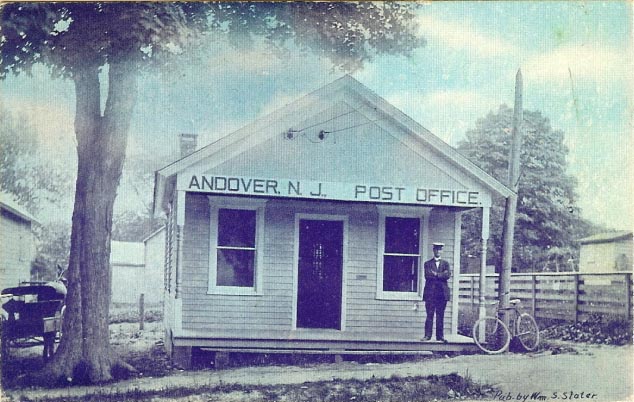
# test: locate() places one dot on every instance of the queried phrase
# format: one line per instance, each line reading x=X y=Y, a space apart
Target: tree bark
x=84 y=353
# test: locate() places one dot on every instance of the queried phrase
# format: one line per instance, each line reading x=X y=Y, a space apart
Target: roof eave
x=432 y=140
x=159 y=193
x=22 y=215
x=606 y=240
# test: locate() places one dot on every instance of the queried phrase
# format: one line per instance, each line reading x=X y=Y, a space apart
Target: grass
x=415 y=389
x=129 y=312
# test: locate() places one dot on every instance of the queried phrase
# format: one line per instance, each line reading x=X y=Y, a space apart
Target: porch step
x=319 y=351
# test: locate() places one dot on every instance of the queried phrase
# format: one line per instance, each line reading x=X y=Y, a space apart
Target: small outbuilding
x=128 y=271
x=307 y=230
x=17 y=242
x=607 y=252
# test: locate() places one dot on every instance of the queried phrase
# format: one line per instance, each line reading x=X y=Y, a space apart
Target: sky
x=575 y=57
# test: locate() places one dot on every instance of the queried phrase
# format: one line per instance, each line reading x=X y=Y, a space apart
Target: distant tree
x=136 y=221
x=134 y=225
x=78 y=40
x=547 y=215
x=23 y=174
x=53 y=250
x=33 y=181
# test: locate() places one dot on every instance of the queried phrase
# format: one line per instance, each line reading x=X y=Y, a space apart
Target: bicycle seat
x=513 y=302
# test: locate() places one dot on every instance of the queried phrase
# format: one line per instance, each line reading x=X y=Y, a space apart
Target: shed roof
x=607 y=237
x=322 y=99
x=127 y=253
x=156 y=232
x=8 y=203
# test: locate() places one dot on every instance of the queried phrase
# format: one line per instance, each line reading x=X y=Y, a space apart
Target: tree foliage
x=548 y=220
x=53 y=249
x=70 y=36
x=136 y=221
x=134 y=226
x=78 y=40
x=23 y=174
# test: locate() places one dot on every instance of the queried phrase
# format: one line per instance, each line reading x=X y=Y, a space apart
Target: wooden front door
x=320 y=267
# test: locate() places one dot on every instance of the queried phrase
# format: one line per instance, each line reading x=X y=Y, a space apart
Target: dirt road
x=597 y=373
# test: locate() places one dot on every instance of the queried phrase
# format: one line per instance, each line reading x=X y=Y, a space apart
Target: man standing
x=436 y=292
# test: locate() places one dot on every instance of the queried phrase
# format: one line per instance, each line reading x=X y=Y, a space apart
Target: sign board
x=305 y=189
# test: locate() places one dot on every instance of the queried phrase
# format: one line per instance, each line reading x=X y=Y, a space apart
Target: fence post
x=576 y=296
x=141 y=312
x=533 y=295
x=472 y=288
x=628 y=296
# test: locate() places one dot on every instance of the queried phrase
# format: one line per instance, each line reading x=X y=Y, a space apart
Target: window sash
x=421 y=215
x=232 y=235
x=395 y=228
x=215 y=252
x=240 y=275
x=400 y=265
x=235 y=248
x=402 y=255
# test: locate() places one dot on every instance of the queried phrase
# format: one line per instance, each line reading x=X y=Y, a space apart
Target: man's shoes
x=443 y=340
x=425 y=339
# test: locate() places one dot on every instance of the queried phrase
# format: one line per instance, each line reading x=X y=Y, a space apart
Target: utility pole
x=511 y=201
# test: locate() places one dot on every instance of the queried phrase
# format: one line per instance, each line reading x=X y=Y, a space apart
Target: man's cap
x=438 y=245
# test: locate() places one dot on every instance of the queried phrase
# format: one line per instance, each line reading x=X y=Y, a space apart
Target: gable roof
x=283 y=118
x=607 y=237
x=8 y=204
x=156 y=232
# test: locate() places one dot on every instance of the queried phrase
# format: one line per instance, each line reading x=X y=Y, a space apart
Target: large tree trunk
x=84 y=353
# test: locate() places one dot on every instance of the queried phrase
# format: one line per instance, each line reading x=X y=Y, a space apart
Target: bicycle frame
x=520 y=326
x=512 y=321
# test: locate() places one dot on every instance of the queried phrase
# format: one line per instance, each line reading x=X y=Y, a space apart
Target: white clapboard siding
x=269 y=311
x=17 y=250
x=272 y=310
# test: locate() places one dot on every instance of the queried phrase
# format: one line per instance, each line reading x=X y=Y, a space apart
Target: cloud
x=586 y=63
x=463 y=35
x=260 y=60
x=255 y=61
x=277 y=102
x=446 y=113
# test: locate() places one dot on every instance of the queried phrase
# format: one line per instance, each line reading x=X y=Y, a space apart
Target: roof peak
x=344 y=86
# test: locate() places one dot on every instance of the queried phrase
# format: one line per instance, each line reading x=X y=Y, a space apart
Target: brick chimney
x=188 y=143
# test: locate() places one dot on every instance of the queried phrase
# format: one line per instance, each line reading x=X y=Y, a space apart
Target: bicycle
x=493 y=336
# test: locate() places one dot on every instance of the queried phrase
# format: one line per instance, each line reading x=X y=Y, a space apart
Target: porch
x=328 y=342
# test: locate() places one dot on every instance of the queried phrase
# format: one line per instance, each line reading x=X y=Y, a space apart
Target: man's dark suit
x=435 y=295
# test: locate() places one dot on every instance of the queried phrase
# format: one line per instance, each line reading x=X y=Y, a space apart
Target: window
x=400 y=255
x=234 y=247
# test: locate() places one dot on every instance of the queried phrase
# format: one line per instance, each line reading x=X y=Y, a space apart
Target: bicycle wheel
x=491 y=335
x=527 y=332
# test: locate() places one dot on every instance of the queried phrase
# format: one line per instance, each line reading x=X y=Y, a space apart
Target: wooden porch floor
x=323 y=342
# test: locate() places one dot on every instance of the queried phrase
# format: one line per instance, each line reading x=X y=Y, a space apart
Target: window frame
x=246 y=204
x=402 y=212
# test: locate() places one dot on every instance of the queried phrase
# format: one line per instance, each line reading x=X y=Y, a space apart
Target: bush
x=467 y=316
x=596 y=329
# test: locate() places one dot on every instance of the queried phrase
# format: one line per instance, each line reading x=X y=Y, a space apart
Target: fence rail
x=569 y=296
